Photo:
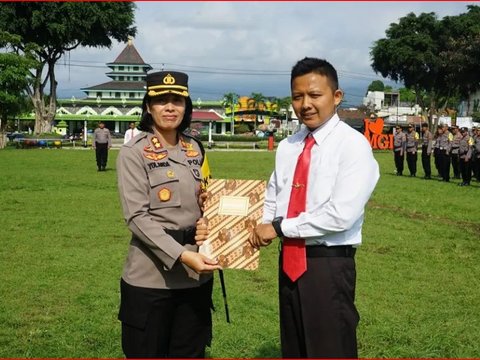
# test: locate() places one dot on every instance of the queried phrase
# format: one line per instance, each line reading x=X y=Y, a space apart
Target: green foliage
x=376 y=85
x=438 y=59
x=58 y=27
x=64 y=242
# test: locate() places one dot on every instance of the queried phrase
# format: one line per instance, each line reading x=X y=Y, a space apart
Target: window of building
x=135 y=68
x=121 y=68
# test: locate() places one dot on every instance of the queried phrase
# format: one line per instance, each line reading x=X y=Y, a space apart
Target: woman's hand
x=201 y=233
x=199 y=262
x=202 y=198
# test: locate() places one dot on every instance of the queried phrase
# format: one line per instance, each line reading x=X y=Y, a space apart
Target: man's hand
x=199 y=262
x=262 y=236
x=201 y=233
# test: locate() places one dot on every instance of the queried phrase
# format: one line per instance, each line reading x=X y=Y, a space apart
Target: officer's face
x=313 y=99
x=167 y=111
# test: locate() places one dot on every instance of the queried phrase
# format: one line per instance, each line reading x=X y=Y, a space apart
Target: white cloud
x=202 y=37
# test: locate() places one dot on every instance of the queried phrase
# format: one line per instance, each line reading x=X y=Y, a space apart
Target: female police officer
x=166 y=284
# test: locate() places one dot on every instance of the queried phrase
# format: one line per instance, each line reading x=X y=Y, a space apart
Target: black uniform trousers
x=412 y=163
x=318 y=318
x=398 y=162
x=101 y=152
x=166 y=323
x=426 y=164
x=466 y=170
x=444 y=165
x=455 y=160
x=476 y=167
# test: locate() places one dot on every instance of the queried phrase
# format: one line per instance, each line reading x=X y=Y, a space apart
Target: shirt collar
x=320 y=133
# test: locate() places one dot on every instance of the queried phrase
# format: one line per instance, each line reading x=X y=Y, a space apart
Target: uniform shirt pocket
x=164 y=189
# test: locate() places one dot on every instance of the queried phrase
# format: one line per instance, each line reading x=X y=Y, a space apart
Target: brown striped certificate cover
x=233 y=209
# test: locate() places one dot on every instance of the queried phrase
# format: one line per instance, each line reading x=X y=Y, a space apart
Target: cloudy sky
x=247 y=47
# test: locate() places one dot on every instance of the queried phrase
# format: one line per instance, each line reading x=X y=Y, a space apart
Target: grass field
x=63 y=244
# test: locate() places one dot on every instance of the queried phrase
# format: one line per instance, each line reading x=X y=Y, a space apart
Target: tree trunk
x=44 y=116
x=3 y=136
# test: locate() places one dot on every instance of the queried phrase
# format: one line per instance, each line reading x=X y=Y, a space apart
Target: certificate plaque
x=233 y=209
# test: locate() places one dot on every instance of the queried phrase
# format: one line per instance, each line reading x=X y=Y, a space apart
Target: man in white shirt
x=318 y=317
x=131 y=132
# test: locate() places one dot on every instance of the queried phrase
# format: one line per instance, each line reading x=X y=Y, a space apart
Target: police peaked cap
x=167 y=82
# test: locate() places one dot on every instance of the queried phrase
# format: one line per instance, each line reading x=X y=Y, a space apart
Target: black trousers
x=444 y=165
x=426 y=164
x=455 y=160
x=466 y=170
x=101 y=152
x=318 y=317
x=398 y=162
x=162 y=323
x=412 y=163
x=476 y=167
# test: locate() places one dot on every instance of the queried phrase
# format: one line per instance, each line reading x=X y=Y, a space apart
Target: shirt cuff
x=290 y=228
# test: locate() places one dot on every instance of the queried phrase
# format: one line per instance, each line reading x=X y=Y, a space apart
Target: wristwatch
x=276 y=223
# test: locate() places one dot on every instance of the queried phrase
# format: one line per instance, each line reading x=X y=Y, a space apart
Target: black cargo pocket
x=164 y=189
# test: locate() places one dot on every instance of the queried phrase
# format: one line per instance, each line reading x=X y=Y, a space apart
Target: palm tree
x=229 y=101
x=257 y=102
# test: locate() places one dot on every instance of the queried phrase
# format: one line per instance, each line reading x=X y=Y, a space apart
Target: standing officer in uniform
x=412 y=147
x=102 y=142
x=315 y=200
x=476 y=155
x=166 y=284
x=465 y=157
x=427 y=141
x=443 y=144
x=456 y=136
x=399 y=145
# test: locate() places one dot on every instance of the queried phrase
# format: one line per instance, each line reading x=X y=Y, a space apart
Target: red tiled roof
x=199 y=115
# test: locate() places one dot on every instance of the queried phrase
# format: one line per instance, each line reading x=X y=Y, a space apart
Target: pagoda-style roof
x=119 y=85
x=129 y=56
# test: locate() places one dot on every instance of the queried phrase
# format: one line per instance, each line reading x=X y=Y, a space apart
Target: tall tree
x=283 y=105
x=57 y=28
x=410 y=53
x=461 y=56
x=14 y=78
x=229 y=101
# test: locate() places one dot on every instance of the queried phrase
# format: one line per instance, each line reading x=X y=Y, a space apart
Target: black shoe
x=103 y=168
x=427 y=177
x=99 y=169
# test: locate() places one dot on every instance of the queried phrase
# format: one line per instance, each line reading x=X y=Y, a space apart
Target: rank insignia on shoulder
x=148 y=148
x=170 y=174
x=164 y=194
x=156 y=143
x=154 y=156
x=191 y=153
x=185 y=144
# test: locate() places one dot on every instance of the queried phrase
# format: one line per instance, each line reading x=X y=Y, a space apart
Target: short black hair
x=318 y=66
x=146 y=122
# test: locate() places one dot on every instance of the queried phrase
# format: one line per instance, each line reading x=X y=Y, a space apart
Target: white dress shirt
x=342 y=176
x=130 y=134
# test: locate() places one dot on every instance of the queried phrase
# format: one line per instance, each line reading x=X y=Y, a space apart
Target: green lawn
x=63 y=244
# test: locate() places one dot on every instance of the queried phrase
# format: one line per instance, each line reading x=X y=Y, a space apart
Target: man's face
x=101 y=125
x=313 y=99
x=410 y=129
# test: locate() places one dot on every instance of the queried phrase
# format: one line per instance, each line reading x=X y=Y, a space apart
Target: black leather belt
x=330 y=251
x=183 y=236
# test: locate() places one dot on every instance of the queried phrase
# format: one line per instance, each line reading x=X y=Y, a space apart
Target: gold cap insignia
x=169 y=80
x=170 y=174
x=164 y=194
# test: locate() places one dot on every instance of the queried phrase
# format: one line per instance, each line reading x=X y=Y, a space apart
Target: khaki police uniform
x=165 y=306
x=399 y=144
x=454 y=155
x=412 y=147
x=427 y=142
x=465 y=156
x=442 y=147
x=102 y=141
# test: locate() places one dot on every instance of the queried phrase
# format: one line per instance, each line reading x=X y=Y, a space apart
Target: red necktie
x=294 y=255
